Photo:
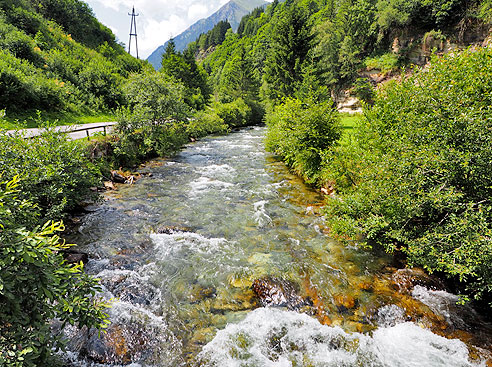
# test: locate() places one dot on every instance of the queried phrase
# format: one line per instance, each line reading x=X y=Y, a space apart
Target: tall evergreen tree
x=291 y=44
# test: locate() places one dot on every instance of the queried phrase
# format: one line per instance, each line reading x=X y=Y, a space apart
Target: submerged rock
x=172 y=229
x=278 y=292
x=344 y=303
x=119 y=345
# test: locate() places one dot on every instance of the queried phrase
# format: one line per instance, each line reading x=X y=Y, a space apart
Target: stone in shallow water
x=278 y=292
x=172 y=229
x=406 y=279
x=120 y=345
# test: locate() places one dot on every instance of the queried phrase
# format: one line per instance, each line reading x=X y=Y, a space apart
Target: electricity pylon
x=133 y=30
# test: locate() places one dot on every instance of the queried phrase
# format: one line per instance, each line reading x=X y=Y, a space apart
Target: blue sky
x=158 y=21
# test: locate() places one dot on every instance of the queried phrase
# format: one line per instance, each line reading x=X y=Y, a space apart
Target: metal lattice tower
x=133 y=30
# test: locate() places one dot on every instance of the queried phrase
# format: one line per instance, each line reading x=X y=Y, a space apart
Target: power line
x=133 y=30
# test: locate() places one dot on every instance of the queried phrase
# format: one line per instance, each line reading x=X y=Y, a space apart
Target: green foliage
x=387 y=62
x=291 y=42
x=205 y=123
x=56 y=172
x=300 y=132
x=485 y=10
x=76 y=19
x=25 y=87
x=247 y=26
x=237 y=79
x=183 y=67
x=213 y=37
x=156 y=96
x=234 y=114
x=100 y=79
x=364 y=90
x=151 y=124
x=36 y=285
x=418 y=176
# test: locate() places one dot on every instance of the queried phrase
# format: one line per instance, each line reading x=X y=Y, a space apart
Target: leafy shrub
x=300 y=132
x=205 y=123
x=56 y=173
x=18 y=43
x=24 y=87
x=151 y=125
x=234 y=114
x=36 y=285
x=386 y=63
x=422 y=171
x=101 y=80
x=364 y=90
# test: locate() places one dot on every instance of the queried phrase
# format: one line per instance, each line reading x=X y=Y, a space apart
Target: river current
x=180 y=251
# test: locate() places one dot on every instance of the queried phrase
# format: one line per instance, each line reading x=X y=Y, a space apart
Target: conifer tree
x=291 y=43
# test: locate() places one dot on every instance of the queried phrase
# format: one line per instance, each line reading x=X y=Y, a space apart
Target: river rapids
x=221 y=258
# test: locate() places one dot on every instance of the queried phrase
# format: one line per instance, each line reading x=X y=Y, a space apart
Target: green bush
x=364 y=90
x=56 y=172
x=422 y=173
x=234 y=114
x=18 y=43
x=300 y=132
x=36 y=285
x=152 y=124
x=23 y=86
x=205 y=123
x=100 y=79
x=386 y=63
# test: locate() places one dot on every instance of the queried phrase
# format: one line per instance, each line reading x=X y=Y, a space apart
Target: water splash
x=278 y=338
x=261 y=217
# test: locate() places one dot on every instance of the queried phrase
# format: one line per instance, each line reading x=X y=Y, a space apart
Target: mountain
x=233 y=11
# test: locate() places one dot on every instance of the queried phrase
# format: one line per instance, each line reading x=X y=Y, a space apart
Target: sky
x=158 y=20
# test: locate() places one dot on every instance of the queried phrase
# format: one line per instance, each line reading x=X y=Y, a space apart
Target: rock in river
x=406 y=279
x=278 y=292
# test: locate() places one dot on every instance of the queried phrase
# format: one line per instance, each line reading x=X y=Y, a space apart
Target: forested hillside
x=231 y=12
x=331 y=42
x=412 y=179
x=55 y=56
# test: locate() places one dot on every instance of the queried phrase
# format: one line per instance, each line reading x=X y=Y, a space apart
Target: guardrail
x=104 y=127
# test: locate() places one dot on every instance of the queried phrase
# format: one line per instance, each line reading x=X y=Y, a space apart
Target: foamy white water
x=277 y=338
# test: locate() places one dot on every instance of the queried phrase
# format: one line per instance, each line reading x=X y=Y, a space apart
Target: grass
x=31 y=119
x=348 y=122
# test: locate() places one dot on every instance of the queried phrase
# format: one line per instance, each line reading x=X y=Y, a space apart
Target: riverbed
x=190 y=255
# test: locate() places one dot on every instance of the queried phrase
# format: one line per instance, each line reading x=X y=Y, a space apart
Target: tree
x=237 y=80
x=183 y=67
x=292 y=42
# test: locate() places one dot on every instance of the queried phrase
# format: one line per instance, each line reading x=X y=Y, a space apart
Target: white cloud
x=154 y=32
x=197 y=11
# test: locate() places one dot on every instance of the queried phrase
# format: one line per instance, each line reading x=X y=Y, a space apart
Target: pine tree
x=291 y=44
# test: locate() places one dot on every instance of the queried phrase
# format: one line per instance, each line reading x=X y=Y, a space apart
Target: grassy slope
x=77 y=79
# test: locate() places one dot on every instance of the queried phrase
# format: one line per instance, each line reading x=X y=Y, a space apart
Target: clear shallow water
x=179 y=251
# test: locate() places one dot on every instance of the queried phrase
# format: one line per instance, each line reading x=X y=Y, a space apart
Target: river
x=221 y=258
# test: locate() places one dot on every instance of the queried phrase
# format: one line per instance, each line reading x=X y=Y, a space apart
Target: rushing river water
x=180 y=253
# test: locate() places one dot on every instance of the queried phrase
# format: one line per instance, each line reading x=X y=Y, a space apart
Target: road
x=94 y=127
